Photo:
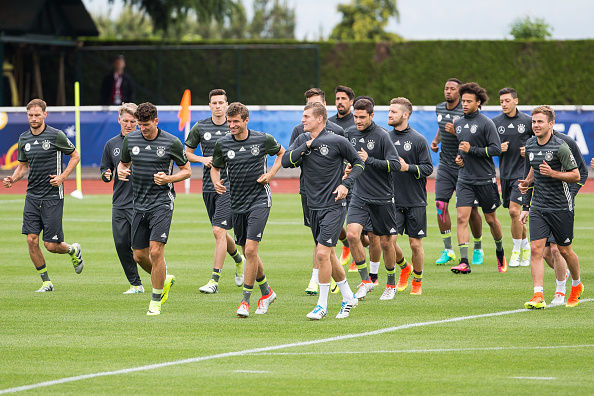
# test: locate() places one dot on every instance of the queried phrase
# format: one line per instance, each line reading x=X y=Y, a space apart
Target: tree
x=129 y=24
x=526 y=28
x=366 y=20
x=275 y=21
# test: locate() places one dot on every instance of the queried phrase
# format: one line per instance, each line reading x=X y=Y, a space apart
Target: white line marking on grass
x=251 y=371
x=535 y=378
x=258 y=350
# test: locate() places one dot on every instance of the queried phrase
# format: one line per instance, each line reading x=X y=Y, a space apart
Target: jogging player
x=410 y=192
x=148 y=156
x=447 y=175
x=121 y=212
x=40 y=151
x=218 y=207
x=477 y=181
x=243 y=154
x=321 y=154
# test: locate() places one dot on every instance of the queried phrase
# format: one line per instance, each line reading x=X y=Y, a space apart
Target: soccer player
x=551 y=254
x=243 y=154
x=320 y=154
x=373 y=195
x=477 y=181
x=343 y=97
x=218 y=207
x=447 y=174
x=316 y=95
x=152 y=153
x=411 y=194
x=121 y=212
x=550 y=164
x=514 y=128
x=40 y=152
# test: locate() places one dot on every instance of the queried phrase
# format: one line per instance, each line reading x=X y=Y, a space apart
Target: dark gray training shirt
x=478 y=130
x=148 y=158
x=322 y=166
x=579 y=159
x=550 y=195
x=375 y=184
x=43 y=152
x=122 y=191
x=516 y=130
x=245 y=161
x=449 y=142
x=410 y=187
x=206 y=133
x=344 y=122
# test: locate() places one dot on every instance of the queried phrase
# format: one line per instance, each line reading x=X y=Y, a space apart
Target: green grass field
x=464 y=335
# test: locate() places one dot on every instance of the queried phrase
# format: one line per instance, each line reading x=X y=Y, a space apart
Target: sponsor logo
x=370 y=145
x=27 y=146
x=148 y=147
x=361 y=140
x=242 y=149
x=572 y=160
x=224 y=222
x=458 y=129
x=511 y=126
x=539 y=153
x=475 y=202
x=473 y=128
x=218 y=133
x=447 y=115
x=231 y=154
x=135 y=150
x=160 y=151
x=324 y=150
x=46 y=145
x=259 y=235
x=353 y=141
x=36 y=142
x=501 y=129
x=329 y=240
x=407 y=146
x=116 y=151
x=567 y=240
x=521 y=128
x=392 y=230
x=163 y=235
x=70 y=143
x=519 y=199
x=397 y=143
x=55 y=238
x=466 y=126
x=494 y=206
x=548 y=156
x=531 y=156
x=439 y=117
x=255 y=150
x=421 y=233
x=207 y=136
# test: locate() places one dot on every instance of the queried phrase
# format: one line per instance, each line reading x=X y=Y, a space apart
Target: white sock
x=538 y=289
x=314 y=275
x=323 y=296
x=561 y=286
x=374 y=267
x=525 y=244
x=517 y=245
x=345 y=290
x=575 y=283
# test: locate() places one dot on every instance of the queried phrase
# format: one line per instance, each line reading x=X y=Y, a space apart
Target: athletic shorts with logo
x=511 y=193
x=559 y=224
x=44 y=215
x=484 y=195
x=412 y=221
x=218 y=208
x=326 y=224
x=383 y=217
x=150 y=226
x=250 y=225
x=445 y=183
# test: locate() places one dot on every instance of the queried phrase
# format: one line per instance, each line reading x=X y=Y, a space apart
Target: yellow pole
x=78 y=192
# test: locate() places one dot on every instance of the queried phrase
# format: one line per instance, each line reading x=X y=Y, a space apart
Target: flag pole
x=78 y=192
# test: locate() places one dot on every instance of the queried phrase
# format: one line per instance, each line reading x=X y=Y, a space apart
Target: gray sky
x=444 y=20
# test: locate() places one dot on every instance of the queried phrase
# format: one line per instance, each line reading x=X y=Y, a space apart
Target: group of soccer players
x=351 y=168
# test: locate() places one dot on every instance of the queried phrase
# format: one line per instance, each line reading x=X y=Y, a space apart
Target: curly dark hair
x=146 y=112
x=237 y=108
x=476 y=90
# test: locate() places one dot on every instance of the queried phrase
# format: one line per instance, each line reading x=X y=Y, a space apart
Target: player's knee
x=140 y=256
x=33 y=240
x=386 y=242
x=218 y=232
x=514 y=212
x=416 y=245
x=441 y=206
x=352 y=235
x=51 y=247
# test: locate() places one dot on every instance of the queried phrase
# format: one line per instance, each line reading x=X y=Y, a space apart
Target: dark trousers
x=121 y=222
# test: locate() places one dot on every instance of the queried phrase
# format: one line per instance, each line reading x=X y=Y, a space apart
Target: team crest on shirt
x=116 y=151
x=27 y=146
x=160 y=151
x=255 y=150
x=135 y=150
x=439 y=117
x=45 y=145
x=407 y=146
x=501 y=129
x=458 y=129
x=548 y=156
x=207 y=136
x=531 y=156
x=231 y=154
x=370 y=144
x=324 y=150
x=521 y=128
x=473 y=128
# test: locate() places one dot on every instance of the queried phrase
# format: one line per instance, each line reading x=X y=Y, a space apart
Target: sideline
x=258 y=350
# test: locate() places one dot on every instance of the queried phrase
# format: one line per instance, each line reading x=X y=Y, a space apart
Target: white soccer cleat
x=364 y=288
x=525 y=258
x=515 y=259
x=47 y=286
x=244 y=310
x=558 y=300
x=388 y=293
x=317 y=314
x=211 y=287
x=346 y=307
x=134 y=290
x=239 y=272
x=264 y=302
x=76 y=258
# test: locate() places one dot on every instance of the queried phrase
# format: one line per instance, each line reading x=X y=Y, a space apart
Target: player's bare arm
x=266 y=177
x=124 y=170
x=18 y=174
x=57 y=180
x=185 y=171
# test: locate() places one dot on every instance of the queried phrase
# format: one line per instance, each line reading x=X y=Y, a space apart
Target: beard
x=343 y=110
